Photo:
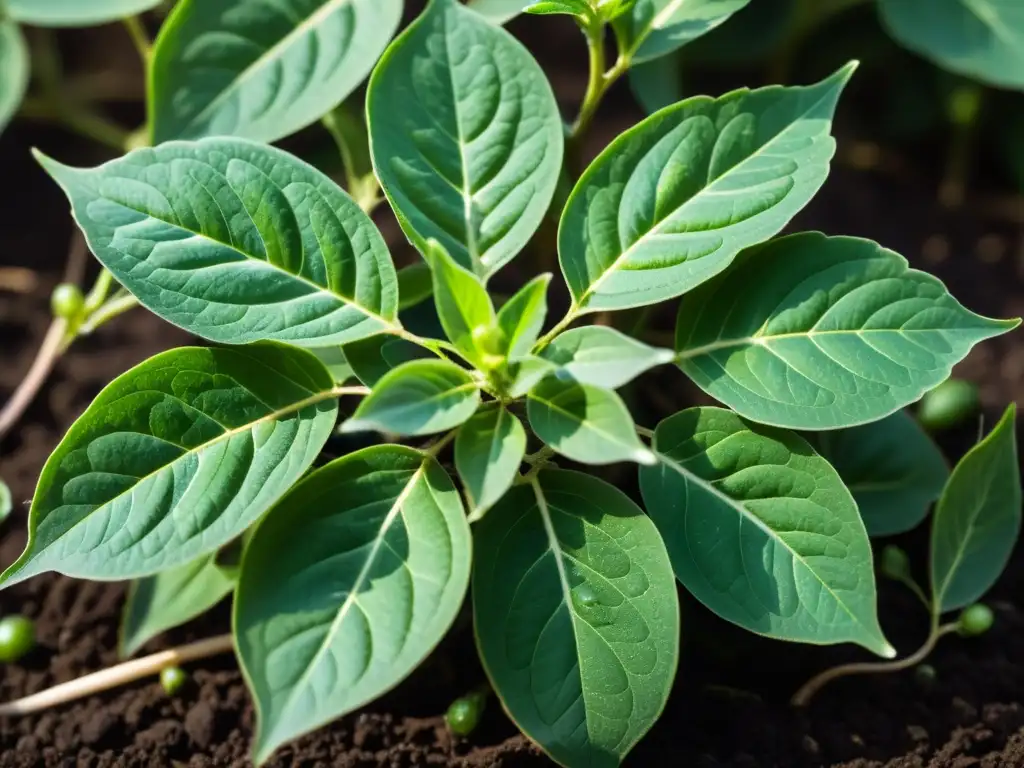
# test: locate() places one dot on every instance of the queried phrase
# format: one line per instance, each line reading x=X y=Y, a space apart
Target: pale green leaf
x=526 y=373
x=599 y=355
x=262 y=70
x=978 y=519
x=498 y=11
x=74 y=13
x=584 y=423
x=488 y=451
x=576 y=616
x=814 y=332
x=6 y=501
x=174 y=459
x=346 y=586
x=14 y=69
x=522 y=317
x=762 y=530
x=463 y=305
x=656 y=27
x=236 y=242
x=893 y=469
x=418 y=398
x=983 y=39
x=466 y=136
x=171 y=598
x=671 y=201
x=333 y=359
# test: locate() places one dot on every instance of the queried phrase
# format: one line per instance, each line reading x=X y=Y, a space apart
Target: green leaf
x=415 y=284
x=466 y=136
x=418 y=398
x=576 y=616
x=578 y=8
x=522 y=317
x=815 y=332
x=463 y=305
x=236 y=242
x=584 y=423
x=262 y=71
x=373 y=357
x=977 y=520
x=346 y=586
x=175 y=458
x=6 y=501
x=656 y=27
x=671 y=201
x=599 y=355
x=983 y=39
x=14 y=70
x=333 y=359
x=762 y=530
x=488 y=451
x=526 y=373
x=74 y=13
x=658 y=83
x=169 y=599
x=893 y=469
x=497 y=12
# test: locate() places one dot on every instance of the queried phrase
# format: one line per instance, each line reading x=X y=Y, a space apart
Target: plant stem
x=560 y=326
x=108 y=311
x=644 y=432
x=803 y=697
x=119 y=674
x=964 y=110
x=598 y=83
x=137 y=32
x=434 y=448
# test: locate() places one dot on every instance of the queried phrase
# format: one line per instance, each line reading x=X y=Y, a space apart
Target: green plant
x=353 y=569
x=464 y=713
x=17 y=637
x=172 y=679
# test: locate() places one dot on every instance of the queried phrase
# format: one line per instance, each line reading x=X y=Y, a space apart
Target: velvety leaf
x=815 y=332
x=762 y=530
x=463 y=305
x=418 y=398
x=236 y=242
x=14 y=70
x=171 y=598
x=175 y=458
x=983 y=39
x=977 y=520
x=656 y=27
x=576 y=616
x=466 y=136
x=488 y=451
x=599 y=355
x=74 y=13
x=671 y=201
x=346 y=586
x=893 y=469
x=584 y=423
x=262 y=70
x=522 y=317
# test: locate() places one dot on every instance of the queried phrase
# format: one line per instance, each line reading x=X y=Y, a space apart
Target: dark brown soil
x=730 y=704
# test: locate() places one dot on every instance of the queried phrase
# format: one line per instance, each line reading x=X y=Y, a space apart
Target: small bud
x=894 y=563
x=67 y=301
x=975 y=620
x=464 y=713
x=172 y=679
x=947 y=405
x=489 y=339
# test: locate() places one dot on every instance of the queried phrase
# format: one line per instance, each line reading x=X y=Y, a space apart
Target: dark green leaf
x=466 y=136
x=236 y=242
x=74 y=13
x=596 y=354
x=488 y=451
x=14 y=70
x=175 y=458
x=171 y=598
x=576 y=616
x=671 y=201
x=977 y=520
x=658 y=83
x=893 y=469
x=415 y=284
x=373 y=357
x=815 y=332
x=346 y=586
x=584 y=423
x=522 y=317
x=656 y=27
x=418 y=398
x=262 y=71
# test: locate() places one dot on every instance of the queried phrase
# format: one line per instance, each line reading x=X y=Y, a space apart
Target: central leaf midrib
x=584 y=422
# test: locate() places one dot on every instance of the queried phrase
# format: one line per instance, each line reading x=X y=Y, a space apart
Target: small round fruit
x=894 y=563
x=949 y=404
x=17 y=637
x=975 y=620
x=464 y=714
x=489 y=339
x=925 y=675
x=172 y=679
x=67 y=301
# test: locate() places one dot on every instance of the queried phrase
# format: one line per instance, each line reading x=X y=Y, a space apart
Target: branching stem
x=137 y=32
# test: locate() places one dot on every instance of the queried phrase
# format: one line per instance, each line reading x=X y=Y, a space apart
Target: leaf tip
x=645 y=457
x=886 y=650
x=354 y=425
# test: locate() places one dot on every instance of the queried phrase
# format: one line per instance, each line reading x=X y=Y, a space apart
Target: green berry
x=925 y=675
x=975 y=620
x=894 y=563
x=17 y=637
x=489 y=339
x=464 y=714
x=172 y=679
x=67 y=301
x=949 y=404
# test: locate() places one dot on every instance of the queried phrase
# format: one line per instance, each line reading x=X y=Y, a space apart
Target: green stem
x=598 y=82
x=560 y=326
x=137 y=32
x=434 y=448
x=98 y=293
x=118 y=305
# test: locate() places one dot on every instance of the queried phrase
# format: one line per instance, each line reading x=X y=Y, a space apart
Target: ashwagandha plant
x=193 y=472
